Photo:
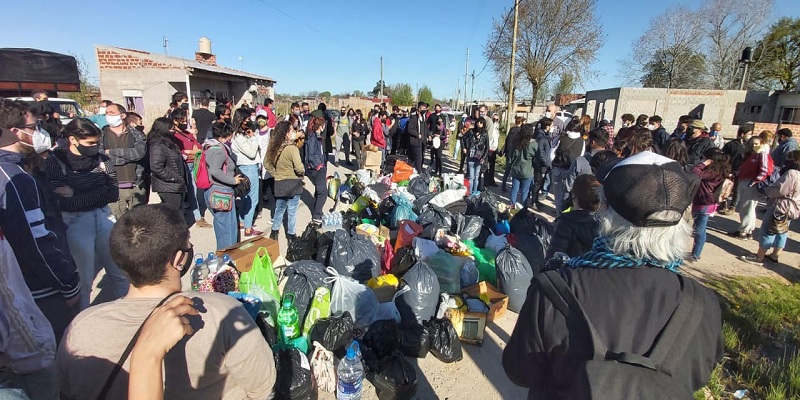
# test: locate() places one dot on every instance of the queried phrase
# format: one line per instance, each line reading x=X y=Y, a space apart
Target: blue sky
x=315 y=44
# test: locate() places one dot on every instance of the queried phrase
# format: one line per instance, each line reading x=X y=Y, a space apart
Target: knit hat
x=645 y=184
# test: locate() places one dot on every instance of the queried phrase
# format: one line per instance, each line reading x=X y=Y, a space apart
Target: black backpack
x=609 y=375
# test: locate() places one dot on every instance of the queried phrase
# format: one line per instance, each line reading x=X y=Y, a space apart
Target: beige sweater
x=226 y=358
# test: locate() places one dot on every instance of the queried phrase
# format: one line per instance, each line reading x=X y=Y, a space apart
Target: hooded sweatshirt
x=570 y=147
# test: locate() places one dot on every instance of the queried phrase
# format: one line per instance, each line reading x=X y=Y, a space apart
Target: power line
x=500 y=36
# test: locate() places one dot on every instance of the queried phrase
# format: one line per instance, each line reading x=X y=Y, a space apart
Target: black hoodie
x=573 y=234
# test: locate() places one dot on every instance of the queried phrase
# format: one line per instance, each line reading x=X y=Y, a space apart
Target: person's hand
x=193 y=131
x=107 y=152
x=166 y=326
x=239 y=179
x=708 y=162
x=64 y=191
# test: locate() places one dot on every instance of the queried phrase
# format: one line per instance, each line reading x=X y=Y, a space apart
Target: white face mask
x=42 y=141
x=548 y=114
x=114 y=120
x=651 y=127
x=101 y=110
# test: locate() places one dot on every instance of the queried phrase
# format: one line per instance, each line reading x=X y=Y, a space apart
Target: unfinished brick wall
x=110 y=59
x=764 y=126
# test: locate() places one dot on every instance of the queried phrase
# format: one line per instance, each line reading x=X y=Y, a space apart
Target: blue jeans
x=547 y=181
x=526 y=188
x=700 y=223
x=88 y=235
x=768 y=240
x=280 y=207
x=474 y=171
x=247 y=204
x=226 y=225
x=197 y=197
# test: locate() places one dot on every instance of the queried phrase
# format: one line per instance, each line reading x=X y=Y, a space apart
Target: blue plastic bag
x=403 y=210
x=502 y=228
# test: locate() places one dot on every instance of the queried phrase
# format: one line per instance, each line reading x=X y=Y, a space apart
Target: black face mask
x=227 y=120
x=187 y=265
x=139 y=128
x=183 y=126
x=89 y=151
x=185 y=106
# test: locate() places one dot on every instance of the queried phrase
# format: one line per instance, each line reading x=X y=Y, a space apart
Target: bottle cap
x=351 y=353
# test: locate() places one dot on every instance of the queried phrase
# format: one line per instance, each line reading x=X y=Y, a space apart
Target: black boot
x=274 y=235
x=290 y=239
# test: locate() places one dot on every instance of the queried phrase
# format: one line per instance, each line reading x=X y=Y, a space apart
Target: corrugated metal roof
x=186 y=63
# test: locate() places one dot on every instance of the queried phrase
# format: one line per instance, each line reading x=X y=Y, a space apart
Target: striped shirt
x=91 y=189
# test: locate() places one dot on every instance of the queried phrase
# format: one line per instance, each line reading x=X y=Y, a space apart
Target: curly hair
x=277 y=141
x=315 y=123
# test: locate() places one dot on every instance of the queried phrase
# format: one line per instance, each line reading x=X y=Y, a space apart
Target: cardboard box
x=497 y=299
x=242 y=253
x=372 y=159
x=470 y=326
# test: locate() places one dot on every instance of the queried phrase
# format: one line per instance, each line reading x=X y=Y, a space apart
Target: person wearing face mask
x=127 y=148
x=294 y=110
x=166 y=164
x=266 y=197
x=756 y=168
x=247 y=153
x=342 y=125
x=542 y=163
x=417 y=135
x=359 y=135
x=316 y=163
x=85 y=183
x=715 y=133
x=99 y=118
x=697 y=142
x=282 y=160
x=220 y=196
x=202 y=118
x=153 y=246
x=624 y=133
x=786 y=145
x=477 y=153
x=682 y=129
x=305 y=115
x=31 y=220
x=736 y=150
x=190 y=147
x=660 y=136
x=134 y=121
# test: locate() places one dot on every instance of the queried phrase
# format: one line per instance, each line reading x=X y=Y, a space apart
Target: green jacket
x=521 y=161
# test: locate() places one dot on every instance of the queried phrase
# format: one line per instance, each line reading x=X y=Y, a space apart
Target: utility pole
x=466 y=78
x=472 y=91
x=381 y=79
x=511 y=104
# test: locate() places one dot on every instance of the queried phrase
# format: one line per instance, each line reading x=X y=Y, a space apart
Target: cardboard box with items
x=244 y=252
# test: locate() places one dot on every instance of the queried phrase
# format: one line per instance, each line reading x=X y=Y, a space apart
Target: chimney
x=203 y=55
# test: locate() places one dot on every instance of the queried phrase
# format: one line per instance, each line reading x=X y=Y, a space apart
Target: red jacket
x=377 y=137
x=757 y=167
x=187 y=141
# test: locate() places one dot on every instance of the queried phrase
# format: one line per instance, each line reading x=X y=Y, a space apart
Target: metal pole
x=511 y=72
x=466 y=79
x=472 y=91
x=744 y=76
x=381 y=79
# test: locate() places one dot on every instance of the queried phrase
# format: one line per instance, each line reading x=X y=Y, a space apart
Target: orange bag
x=402 y=172
x=408 y=230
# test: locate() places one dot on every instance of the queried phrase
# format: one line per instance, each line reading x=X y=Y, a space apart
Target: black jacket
x=628 y=306
x=417 y=131
x=573 y=233
x=737 y=152
x=696 y=147
x=167 y=167
x=545 y=141
x=567 y=151
x=660 y=138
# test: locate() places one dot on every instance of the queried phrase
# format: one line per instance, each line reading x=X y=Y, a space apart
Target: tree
x=358 y=93
x=659 y=73
x=730 y=26
x=777 y=57
x=424 y=94
x=565 y=85
x=667 y=45
x=553 y=36
x=89 y=90
x=325 y=95
x=376 y=91
x=402 y=95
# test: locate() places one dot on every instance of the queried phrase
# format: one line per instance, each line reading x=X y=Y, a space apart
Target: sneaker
x=727 y=211
x=253 y=232
x=691 y=259
x=752 y=259
x=201 y=223
x=739 y=235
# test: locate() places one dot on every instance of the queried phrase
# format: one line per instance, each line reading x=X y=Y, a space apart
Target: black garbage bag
x=350 y=220
x=484 y=206
x=403 y=260
x=333 y=333
x=419 y=303
x=457 y=207
x=356 y=189
x=294 y=380
x=420 y=185
x=433 y=219
x=467 y=227
x=269 y=333
x=379 y=188
x=395 y=378
x=514 y=275
x=385 y=208
x=414 y=339
x=303 y=279
x=382 y=337
x=480 y=241
x=531 y=248
x=444 y=341
x=324 y=246
x=371 y=360
x=354 y=256
x=421 y=201
x=305 y=247
x=370 y=212
x=526 y=222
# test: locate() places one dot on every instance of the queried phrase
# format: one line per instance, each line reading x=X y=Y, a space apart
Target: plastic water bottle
x=288 y=319
x=199 y=272
x=349 y=376
x=226 y=260
x=211 y=262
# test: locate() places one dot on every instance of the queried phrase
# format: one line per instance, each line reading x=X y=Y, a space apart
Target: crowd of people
x=75 y=201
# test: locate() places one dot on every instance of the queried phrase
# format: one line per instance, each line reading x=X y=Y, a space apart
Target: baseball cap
x=261 y=112
x=645 y=184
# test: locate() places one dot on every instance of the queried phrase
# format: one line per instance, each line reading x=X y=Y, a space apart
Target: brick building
x=144 y=82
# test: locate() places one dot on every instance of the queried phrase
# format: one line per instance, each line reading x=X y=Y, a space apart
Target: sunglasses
x=32 y=126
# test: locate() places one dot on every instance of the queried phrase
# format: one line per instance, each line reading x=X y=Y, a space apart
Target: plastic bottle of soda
x=349 y=375
x=288 y=319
